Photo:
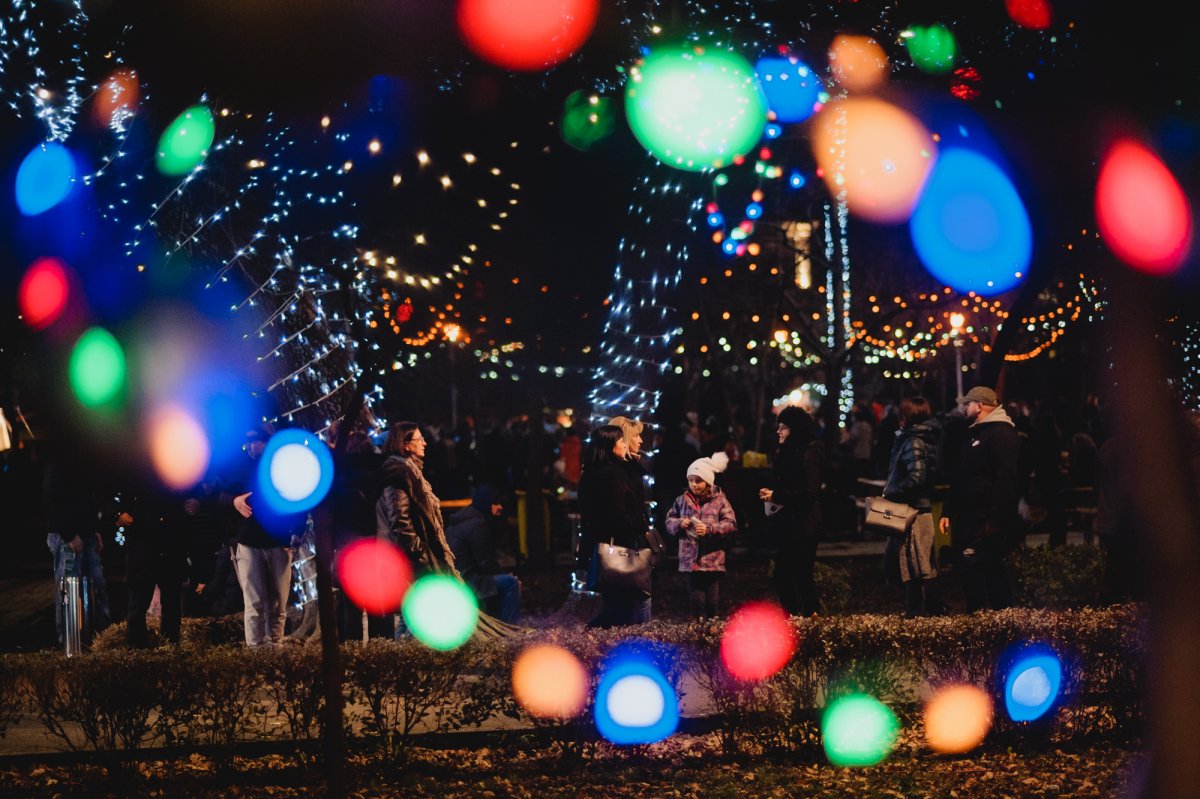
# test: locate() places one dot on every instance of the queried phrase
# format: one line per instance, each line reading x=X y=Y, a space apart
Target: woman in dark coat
x=609 y=512
x=799 y=466
x=410 y=514
x=910 y=481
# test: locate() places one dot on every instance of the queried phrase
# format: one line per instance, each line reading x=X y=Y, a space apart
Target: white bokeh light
x=635 y=701
x=295 y=472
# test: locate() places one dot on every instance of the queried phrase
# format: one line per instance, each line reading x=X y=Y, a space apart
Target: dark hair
x=601 y=443
x=400 y=434
x=914 y=410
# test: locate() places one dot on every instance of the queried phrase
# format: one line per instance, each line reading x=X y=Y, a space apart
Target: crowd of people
x=216 y=550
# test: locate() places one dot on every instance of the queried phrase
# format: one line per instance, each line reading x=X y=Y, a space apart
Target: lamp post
x=452 y=334
x=956 y=324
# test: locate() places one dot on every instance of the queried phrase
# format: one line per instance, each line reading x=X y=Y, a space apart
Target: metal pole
x=958 y=368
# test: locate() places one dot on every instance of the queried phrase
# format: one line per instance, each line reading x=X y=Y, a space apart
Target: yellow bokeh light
x=858 y=63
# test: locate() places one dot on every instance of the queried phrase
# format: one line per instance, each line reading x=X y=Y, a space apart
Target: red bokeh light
x=43 y=293
x=1143 y=214
x=1035 y=14
x=374 y=574
x=758 y=641
x=119 y=92
x=526 y=34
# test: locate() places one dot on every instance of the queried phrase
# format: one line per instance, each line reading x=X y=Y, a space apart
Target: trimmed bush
x=1069 y=576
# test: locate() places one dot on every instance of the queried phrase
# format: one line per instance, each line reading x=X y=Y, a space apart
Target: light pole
x=452 y=334
x=956 y=323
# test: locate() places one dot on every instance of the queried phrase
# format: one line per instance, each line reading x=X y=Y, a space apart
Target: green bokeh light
x=587 y=119
x=97 y=368
x=932 y=48
x=440 y=611
x=185 y=142
x=858 y=730
x=695 y=109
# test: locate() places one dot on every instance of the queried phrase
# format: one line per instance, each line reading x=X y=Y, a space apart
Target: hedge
x=120 y=700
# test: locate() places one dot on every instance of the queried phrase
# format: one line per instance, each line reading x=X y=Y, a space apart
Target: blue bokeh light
x=793 y=90
x=773 y=130
x=715 y=219
x=970 y=228
x=1032 y=685
x=729 y=246
x=754 y=211
x=295 y=471
x=635 y=704
x=45 y=178
x=796 y=180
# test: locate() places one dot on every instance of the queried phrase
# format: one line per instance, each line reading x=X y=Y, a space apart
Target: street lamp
x=956 y=324
x=453 y=332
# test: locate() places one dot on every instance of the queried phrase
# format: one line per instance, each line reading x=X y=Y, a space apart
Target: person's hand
x=199 y=588
x=700 y=527
x=944 y=523
x=765 y=494
x=99 y=544
x=124 y=519
x=76 y=544
x=191 y=506
x=685 y=522
x=241 y=505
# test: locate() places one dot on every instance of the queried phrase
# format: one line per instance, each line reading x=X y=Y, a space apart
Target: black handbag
x=620 y=570
x=658 y=546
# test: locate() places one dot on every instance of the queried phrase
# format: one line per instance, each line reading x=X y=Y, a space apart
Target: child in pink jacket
x=703 y=520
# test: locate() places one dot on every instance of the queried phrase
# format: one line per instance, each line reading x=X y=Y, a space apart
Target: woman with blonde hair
x=631 y=465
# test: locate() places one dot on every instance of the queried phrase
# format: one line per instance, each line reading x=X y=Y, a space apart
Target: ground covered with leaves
x=683 y=766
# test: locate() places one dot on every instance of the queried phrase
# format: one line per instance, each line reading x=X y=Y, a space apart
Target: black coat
x=608 y=507
x=408 y=513
x=912 y=465
x=798 y=472
x=636 y=474
x=985 y=486
x=474 y=545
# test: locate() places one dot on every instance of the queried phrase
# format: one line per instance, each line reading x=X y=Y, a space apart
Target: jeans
x=508 y=598
x=266 y=578
x=618 y=610
x=704 y=593
x=85 y=564
x=793 y=577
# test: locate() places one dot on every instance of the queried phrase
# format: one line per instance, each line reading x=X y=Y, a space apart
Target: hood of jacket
x=928 y=431
x=997 y=416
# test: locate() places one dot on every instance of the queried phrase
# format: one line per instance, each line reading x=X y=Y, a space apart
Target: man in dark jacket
x=982 y=507
x=473 y=541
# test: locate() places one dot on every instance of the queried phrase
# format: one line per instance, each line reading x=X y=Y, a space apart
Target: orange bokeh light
x=957 y=719
x=878 y=153
x=550 y=682
x=858 y=63
x=118 y=92
x=179 y=448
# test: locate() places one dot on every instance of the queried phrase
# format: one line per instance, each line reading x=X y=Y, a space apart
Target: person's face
x=784 y=431
x=620 y=449
x=971 y=410
x=697 y=486
x=416 y=445
x=497 y=509
x=635 y=443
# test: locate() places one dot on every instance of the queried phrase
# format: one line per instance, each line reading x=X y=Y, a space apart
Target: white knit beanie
x=706 y=468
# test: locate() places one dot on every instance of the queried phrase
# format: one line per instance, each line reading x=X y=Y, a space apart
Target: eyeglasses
x=416 y=440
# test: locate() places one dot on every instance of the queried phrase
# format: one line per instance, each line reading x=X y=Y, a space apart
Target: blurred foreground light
x=695 y=109
x=970 y=227
x=440 y=611
x=185 y=142
x=758 y=640
x=587 y=119
x=45 y=178
x=43 y=293
x=550 y=682
x=526 y=34
x=1032 y=685
x=1034 y=14
x=374 y=574
x=295 y=471
x=858 y=63
x=931 y=48
x=879 y=154
x=179 y=448
x=792 y=89
x=97 y=368
x=858 y=730
x=117 y=95
x=1143 y=214
x=635 y=704
x=957 y=719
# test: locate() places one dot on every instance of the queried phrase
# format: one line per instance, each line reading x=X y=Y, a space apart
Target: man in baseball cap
x=981 y=510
